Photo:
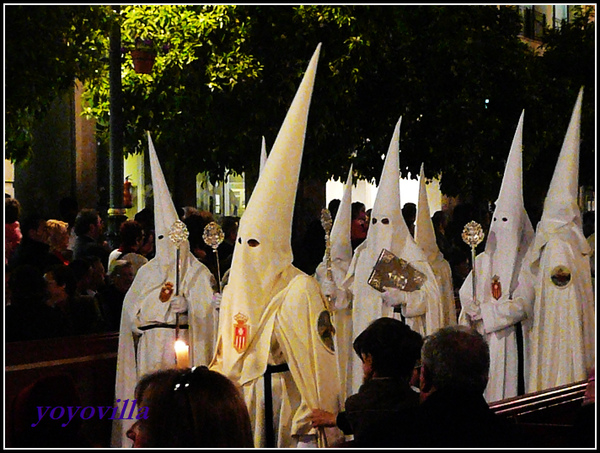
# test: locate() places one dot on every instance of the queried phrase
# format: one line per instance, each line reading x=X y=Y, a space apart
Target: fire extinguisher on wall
x=127 y=197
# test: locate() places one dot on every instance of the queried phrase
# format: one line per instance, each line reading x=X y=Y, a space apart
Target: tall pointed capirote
x=424 y=232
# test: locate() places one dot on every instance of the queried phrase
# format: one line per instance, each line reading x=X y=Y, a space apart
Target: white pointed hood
x=511 y=232
x=263 y=254
x=387 y=225
x=165 y=214
x=263 y=156
x=424 y=232
x=561 y=212
x=341 y=247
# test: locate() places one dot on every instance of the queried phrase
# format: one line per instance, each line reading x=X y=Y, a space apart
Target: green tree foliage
x=459 y=76
x=568 y=63
x=46 y=48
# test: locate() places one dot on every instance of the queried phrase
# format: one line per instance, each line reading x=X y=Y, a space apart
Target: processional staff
x=472 y=235
x=178 y=234
x=326 y=223
x=213 y=236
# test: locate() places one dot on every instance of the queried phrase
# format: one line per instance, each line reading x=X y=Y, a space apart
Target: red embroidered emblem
x=496 y=287
x=241 y=330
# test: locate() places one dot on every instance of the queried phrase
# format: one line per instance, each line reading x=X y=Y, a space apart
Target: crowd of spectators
x=62 y=278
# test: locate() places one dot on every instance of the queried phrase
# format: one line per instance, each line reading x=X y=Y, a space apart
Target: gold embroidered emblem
x=166 y=292
x=496 y=287
x=241 y=330
x=326 y=330
x=560 y=276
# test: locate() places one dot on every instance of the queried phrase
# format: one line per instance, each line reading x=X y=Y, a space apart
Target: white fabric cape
x=155 y=348
x=497 y=324
x=562 y=336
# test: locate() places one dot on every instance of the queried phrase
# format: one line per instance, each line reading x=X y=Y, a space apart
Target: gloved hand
x=329 y=289
x=393 y=297
x=473 y=310
x=179 y=304
x=342 y=299
x=216 y=300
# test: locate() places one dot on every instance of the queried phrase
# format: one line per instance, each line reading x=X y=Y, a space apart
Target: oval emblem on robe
x=496 y=287
x=166 y=292
x=326 y=330
x=560 y=276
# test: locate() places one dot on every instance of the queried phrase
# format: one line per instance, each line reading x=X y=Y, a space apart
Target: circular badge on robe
x=560 y=276
x=326 y=330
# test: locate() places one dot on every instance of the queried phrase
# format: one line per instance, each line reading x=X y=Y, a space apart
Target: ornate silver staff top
x=213 y=236
x=472 y=235
x=178 y=234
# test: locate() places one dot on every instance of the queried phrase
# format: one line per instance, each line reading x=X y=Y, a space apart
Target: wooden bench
x=545 y=418
x=91 y=361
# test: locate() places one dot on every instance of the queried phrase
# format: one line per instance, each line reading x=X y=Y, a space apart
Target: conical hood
x=165 y=214
x=561 y=213
x=341 y=246
x=263 y=254
x=561 y=200
x=424 y=231
x=510 y=231
x=263 y=156
x=387 y=223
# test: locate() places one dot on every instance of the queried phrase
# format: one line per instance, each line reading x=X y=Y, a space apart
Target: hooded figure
x=562 y=337
x=271 y=312
x=425 y=238
x=495 y=313
x=341 y=256
x=263 y=156
x=421 y=308
x=158 y=293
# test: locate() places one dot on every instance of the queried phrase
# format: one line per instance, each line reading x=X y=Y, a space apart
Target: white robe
x=422 y=312
x=443 y=274
x=155 y=347
x=563 y=330
x=497 y=324
x=342 y=322
x=288 y=333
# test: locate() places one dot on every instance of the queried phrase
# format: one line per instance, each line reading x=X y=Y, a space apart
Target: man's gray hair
x=456 y=357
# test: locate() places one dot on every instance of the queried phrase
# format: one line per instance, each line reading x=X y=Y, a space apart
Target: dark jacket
x=453 y=418
x=86 y=246
x=368 y=412
x=35 y=253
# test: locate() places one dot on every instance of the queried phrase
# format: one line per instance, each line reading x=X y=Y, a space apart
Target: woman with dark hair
x=196 y=408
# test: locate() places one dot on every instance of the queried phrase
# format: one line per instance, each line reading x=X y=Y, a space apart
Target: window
x=534 y=21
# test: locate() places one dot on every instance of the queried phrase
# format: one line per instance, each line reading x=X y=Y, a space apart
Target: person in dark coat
x=89 y=242
x=453 y=412
x=33 y=248
x=389 y=350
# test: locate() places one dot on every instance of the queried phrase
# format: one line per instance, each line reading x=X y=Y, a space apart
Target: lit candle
x=182 y=352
